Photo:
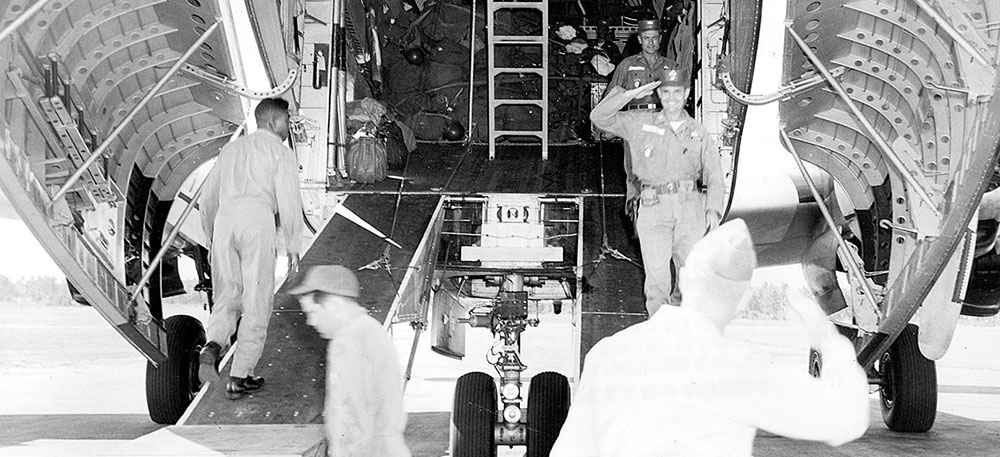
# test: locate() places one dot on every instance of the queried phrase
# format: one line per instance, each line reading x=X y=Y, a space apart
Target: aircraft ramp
x=294 y=357
x=613 y=297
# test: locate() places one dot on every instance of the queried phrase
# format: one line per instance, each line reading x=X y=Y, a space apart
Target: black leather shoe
x=237 y=388
x=208 y=362
x=252 y=383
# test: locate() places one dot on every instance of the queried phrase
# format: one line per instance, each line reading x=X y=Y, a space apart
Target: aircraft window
x=194 y=3
x=198 y=19
x=813 y=7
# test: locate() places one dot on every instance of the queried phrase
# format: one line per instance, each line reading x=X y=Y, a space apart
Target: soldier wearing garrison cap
x=678 y=385
x=678 y=176
x=635 y=71
x=364 y=385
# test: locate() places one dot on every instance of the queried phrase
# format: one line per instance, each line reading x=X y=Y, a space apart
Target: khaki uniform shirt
x=701 y=393
x=659 y=155
x=633 y=71
x=260 y=168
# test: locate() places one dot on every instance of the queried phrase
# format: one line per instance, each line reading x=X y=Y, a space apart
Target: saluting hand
x=643 y=90
x=813 y=319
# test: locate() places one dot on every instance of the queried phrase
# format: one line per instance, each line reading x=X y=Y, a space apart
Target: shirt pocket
x=635 y=78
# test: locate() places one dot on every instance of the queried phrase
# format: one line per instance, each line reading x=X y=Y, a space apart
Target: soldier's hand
x=643 y=90
x=648 y=197
x=712 y=219
x=814 y=321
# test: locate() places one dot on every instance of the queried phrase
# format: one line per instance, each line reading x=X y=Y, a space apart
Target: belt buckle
x=671 y=188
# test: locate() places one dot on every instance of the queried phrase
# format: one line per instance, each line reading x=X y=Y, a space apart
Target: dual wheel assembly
x=475 y=423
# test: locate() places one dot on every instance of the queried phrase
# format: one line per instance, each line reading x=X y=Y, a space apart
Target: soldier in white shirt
x=674 y=385
x=250 y=196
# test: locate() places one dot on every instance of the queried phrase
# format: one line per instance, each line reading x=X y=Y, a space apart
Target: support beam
x=852 y=264
x=131 y=115
x=952 y=32
x=20 y=20
x=916 y=186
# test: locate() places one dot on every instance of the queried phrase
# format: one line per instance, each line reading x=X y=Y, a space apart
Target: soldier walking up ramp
x=285 y=416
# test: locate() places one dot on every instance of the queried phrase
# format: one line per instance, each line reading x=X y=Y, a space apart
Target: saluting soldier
x=635 y=71
x=677 y=170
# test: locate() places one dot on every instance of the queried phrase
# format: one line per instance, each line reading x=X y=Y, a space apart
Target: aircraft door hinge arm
x=235 y=88
x=783 y=93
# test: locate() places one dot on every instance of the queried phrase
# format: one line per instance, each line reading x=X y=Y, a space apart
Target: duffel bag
x=366 y=160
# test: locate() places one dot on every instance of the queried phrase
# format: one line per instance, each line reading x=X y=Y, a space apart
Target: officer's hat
x=646 y=25
x=673 y=75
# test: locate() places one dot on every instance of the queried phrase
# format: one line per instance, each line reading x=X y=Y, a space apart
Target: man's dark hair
x=269 y=107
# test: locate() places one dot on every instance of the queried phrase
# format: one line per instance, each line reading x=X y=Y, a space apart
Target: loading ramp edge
x=75 y=257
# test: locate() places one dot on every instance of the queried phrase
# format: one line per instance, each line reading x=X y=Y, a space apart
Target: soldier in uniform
x=634 y=71
x=673 y=158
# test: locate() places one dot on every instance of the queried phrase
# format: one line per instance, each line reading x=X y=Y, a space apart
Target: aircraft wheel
x=548 y=405
x=909 y=385
x=473 y=416
x=171 y=386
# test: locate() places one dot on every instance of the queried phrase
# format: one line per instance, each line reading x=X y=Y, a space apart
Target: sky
x=22 y=256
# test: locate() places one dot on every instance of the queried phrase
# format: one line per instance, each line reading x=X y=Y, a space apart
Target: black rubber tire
x=909 y=385
x=548 y=405
x=171 y=387
x=473 y=415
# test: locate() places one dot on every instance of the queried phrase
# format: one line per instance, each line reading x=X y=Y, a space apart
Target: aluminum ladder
x=498 y=41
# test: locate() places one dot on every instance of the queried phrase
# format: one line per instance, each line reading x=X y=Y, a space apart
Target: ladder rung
x=497 y=133
x=539 y=71
x=519 y=101
x=505 y=5
x=518 y=39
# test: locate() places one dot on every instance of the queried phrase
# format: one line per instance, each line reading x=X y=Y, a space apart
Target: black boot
x=237 y=388
x=253 y=382
x=208 y=362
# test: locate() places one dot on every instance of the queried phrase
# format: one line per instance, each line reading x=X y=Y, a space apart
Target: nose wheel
x=482 y=419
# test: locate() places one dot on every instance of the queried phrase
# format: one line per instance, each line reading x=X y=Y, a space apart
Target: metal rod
x=887 y=151
x=332 y=129
x=952 y=32
x=342 y=98
x=841 y=242
x=472 y=70
x=340 y=108
x=17 y=23
x=418 y=329
x=128 y=118
x=155 y=263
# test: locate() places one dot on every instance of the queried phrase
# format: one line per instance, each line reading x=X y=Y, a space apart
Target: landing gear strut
x=476 y=393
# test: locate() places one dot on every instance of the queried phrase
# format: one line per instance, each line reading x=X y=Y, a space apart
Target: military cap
x=649 y=24
x=672 y=75
x=726 y=252
x=331 y=279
